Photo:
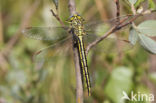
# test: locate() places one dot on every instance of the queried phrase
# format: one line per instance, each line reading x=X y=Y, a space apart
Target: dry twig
x=79 y=85
x=115 y=28
x=1 y=28
x=117 y=10
x=57 y=17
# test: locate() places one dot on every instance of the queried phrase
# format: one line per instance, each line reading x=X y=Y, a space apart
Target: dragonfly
x=79 y=30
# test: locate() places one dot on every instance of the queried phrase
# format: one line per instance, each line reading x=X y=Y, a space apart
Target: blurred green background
x=24 y=81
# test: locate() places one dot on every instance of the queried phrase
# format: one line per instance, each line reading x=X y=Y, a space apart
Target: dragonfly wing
x=95 y=30
x=48 y=54
x=96 y=26
x=111 y=44
x=45 y=33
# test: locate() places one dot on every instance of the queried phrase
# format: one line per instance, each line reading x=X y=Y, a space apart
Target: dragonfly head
x=75 y=18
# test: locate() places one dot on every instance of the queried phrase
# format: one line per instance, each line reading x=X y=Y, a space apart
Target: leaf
x=132 y=1
x=148 y=27
x=147 y=43
x=119 y=81
x=133 y=36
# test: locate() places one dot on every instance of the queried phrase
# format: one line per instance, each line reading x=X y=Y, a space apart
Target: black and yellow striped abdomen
x=83 y=62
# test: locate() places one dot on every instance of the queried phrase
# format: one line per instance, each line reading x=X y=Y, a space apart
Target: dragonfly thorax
x=76 y=23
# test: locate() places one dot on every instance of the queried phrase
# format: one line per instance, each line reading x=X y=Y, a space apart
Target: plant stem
x=79 y=85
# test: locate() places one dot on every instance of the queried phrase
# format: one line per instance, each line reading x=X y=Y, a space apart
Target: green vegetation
x=51 y=79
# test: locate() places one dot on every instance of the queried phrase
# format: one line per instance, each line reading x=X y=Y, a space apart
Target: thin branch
x=72 y=7
x=117 y=10
x=112 y=30
x=79 y=85
x=57 y=17
x=118 y=44
x=133 y=9
x=129 y=22
x=91 y=45
x=117 y=27
x=1 y=28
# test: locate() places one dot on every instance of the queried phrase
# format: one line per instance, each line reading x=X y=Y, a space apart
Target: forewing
x=99 y=26
x=95 y=30
x=46 y=33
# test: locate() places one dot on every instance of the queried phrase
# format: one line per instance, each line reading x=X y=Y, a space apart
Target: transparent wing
x=50 y=53
x=111 y=44
x=46 y=33
x=95 y=26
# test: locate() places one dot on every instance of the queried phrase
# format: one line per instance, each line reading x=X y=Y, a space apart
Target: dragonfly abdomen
x=83 y=62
